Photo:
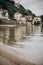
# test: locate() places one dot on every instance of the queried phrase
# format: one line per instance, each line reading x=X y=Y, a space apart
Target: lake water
x=26 y=40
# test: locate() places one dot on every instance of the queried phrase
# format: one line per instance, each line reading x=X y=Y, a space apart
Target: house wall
x=17 y=15
x=36 y=19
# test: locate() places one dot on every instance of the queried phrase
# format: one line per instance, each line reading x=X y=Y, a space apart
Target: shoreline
x=10 y=56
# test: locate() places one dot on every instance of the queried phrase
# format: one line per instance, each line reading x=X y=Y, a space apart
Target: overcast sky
x=36 y=6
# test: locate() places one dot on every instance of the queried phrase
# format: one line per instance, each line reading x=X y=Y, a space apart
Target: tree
x=10 y=10
x=3 y=4
x=42 y=18
x=12 y=2
x=9 y=5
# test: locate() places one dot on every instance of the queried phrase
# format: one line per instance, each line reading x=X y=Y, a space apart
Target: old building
x=36 y=20
x=17 y=16
x=4 y=14
x=17 y=4
x=29 y=18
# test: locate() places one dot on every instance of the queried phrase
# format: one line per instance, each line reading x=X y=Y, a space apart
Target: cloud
x=35 y=5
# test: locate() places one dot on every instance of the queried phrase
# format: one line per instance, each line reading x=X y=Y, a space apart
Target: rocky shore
x=10 y=57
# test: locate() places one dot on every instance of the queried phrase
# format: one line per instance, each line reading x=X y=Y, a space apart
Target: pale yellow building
x=17 y=16
x=36 y=19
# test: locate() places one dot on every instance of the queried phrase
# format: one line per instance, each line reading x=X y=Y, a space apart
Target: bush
x=42 y=18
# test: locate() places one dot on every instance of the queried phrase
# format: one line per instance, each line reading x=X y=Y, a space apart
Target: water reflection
x=13 y=34
x=27 y=40
x=29 y=29
x=42 y=30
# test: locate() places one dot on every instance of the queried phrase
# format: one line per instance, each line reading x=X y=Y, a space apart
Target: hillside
x=10 y=6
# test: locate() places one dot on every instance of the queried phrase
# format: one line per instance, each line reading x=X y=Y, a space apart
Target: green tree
x=42 y=18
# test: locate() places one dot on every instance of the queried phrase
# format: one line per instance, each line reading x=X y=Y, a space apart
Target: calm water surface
x=26 y=40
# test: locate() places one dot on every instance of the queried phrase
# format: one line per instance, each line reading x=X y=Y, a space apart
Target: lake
x=26 y=40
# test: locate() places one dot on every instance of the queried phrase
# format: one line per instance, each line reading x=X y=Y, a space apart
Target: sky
x=36 y=6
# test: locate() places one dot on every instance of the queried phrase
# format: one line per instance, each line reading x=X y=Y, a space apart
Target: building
x=4 y=14
x=29 y=18
x=23 y=20
x=17 y=16
x=17 y=4
x=36 y=20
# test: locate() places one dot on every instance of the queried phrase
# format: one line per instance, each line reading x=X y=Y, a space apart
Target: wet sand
x=10 y=57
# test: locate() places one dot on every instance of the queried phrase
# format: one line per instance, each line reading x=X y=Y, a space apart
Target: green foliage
x=29 y=12
x=3 y=4
x=9 y=5
x=42 y=18
x=10 y=10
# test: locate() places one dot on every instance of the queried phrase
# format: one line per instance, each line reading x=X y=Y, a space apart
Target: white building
x=23 y=20
x=6 y=15
x=17 y=4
